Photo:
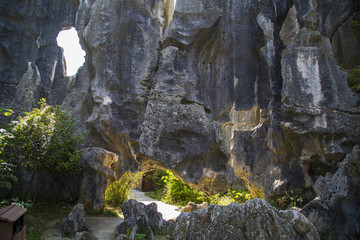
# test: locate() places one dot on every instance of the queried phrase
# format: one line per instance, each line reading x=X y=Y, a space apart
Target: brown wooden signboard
x=12 y=225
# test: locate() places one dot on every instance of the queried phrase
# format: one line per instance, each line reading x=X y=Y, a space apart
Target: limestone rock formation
x=74 y=222
x=140 y=218
x=255 y=219
x=216 y=91
x=98 y=165
x=31 y=61
x=346 y=45
x=336 y=212
x=256 y=95
x=193 y=206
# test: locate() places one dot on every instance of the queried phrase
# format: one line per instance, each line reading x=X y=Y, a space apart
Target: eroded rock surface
x=31 y=61
x=100 y=168
x=216 y=91
x=193 y=206
x=336 y=212
x=140 y=219
x=74 y=222
x=255 y=219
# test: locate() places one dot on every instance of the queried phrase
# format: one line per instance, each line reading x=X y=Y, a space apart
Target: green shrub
x=43 y=141
x=119 y=191
x=173 y=191
x=354 y=79
x=7 y=169
x=293 y=198
x=140 y=236
x=224 y=199
x=16 y=201
x=356 y=25
x=159 y=178
x=7 y=174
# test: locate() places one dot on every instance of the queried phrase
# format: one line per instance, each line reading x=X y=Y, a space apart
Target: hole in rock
x=73 y=53
x=163 y=185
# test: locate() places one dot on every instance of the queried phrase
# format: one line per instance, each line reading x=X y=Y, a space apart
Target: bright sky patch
x=74 y=54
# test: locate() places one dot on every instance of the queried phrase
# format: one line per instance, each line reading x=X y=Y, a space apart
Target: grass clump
x=119 y=191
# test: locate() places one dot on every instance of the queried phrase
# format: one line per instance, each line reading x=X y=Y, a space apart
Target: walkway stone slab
x=168 y=211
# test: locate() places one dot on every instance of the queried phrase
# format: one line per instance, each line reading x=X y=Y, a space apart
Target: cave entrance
x=147 y=184
x=73 y=53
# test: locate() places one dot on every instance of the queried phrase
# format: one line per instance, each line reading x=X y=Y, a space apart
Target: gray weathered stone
x=216 y=91
x=255 y=219
x=74 y=222
x=346 y=45
x=193 y=206
x=99 y=168
x=139 y=218
x=29 y=51
x=336 y=212
x=176 y=129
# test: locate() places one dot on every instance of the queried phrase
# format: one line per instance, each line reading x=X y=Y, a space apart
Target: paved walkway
x=103 y=227
x=168 y=211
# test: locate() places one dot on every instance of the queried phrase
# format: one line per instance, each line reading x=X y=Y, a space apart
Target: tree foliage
x=354 y=79
x=7 y=172
x=7 y=112
x=44 y=140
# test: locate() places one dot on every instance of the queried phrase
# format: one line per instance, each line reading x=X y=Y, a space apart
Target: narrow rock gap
x=74 y=55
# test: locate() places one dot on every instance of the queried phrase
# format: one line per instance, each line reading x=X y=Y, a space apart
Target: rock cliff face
x=335 y=213
x=216 y=91
x=31 y=62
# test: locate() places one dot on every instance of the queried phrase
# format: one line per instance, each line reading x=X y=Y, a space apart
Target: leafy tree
x=45 y=141
x=7 y=173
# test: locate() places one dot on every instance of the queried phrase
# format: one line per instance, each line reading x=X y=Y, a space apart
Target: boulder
x=193 y=206
x=74 y=222
x=256 y=219
x=336 y=211
x=140 y=218
x=97 y=164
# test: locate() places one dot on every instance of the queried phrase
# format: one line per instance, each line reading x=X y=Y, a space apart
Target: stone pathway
x=103 y=227
x=168 y=211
